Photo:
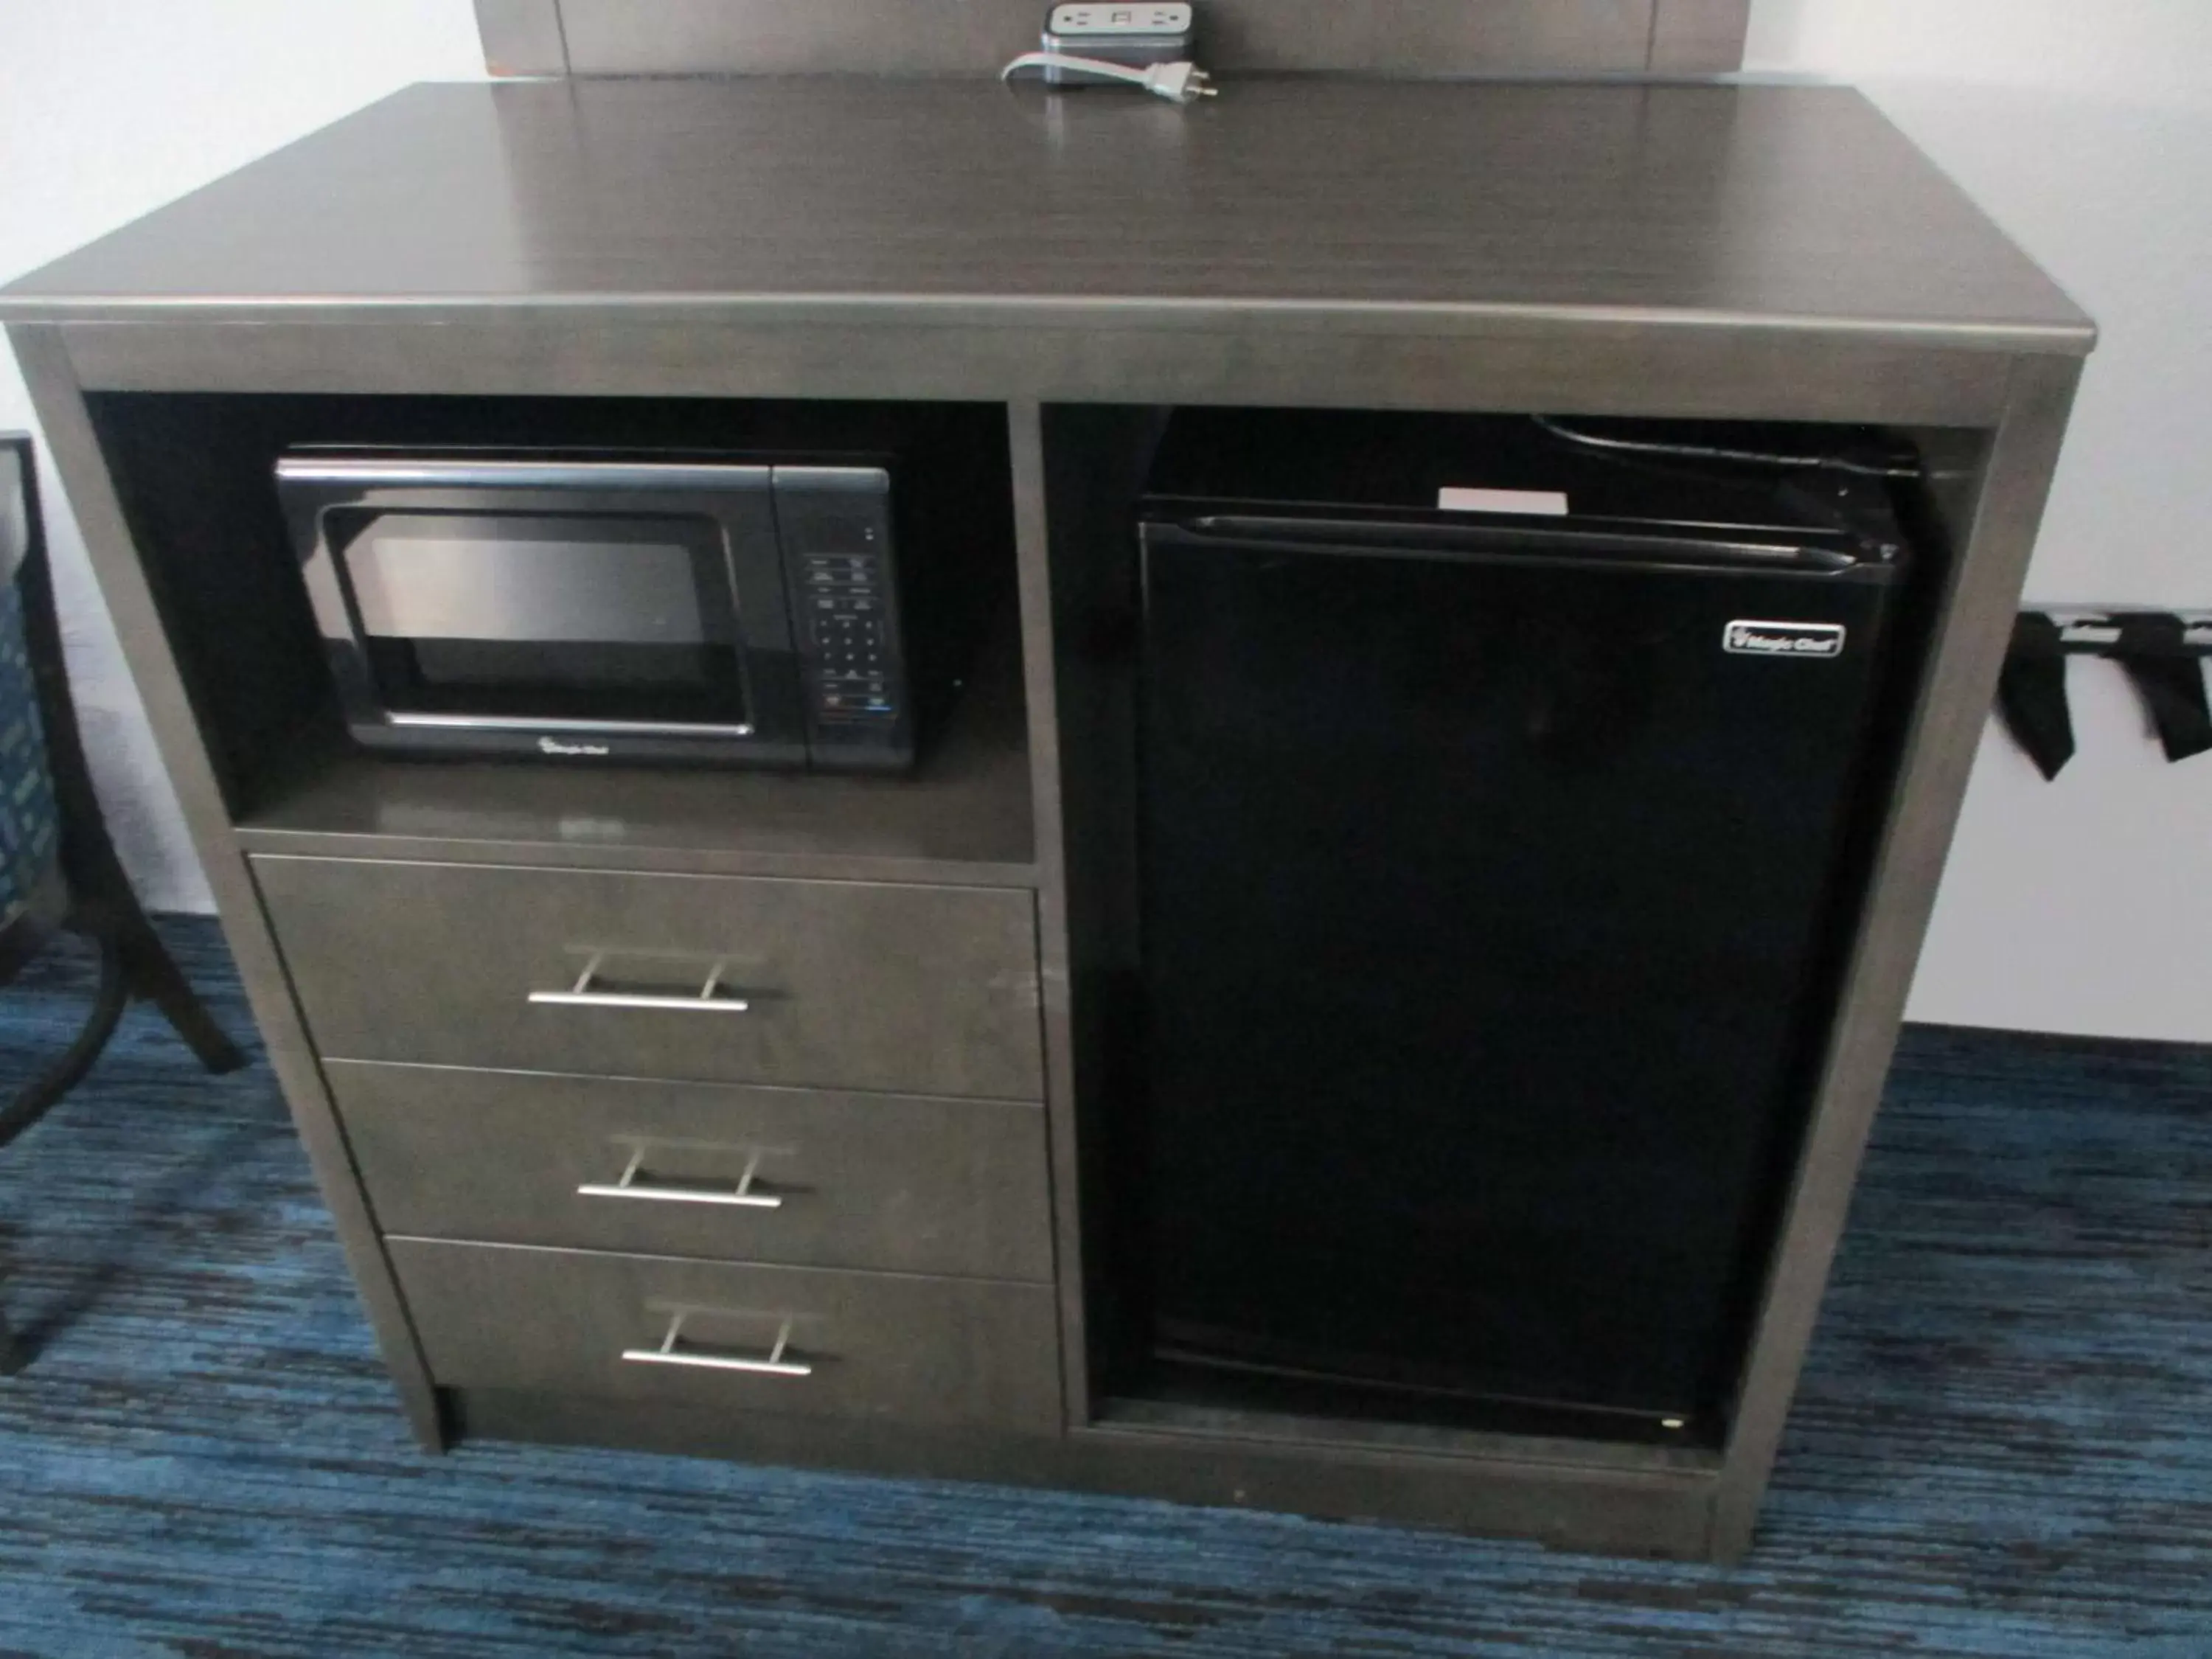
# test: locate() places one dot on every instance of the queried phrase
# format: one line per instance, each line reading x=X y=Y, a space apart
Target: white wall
x=2085 y=128
x=109 y=108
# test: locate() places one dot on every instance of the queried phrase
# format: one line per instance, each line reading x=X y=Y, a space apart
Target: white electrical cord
x=1179 y=84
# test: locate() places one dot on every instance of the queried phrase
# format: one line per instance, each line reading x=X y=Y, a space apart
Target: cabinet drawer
x=835 y=1180
x=803 y=1340
x=931 y=990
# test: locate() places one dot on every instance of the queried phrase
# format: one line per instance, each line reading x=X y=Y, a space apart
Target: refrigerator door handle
x=1523 y=543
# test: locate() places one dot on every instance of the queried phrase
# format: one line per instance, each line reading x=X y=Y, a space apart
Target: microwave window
x=588 y=618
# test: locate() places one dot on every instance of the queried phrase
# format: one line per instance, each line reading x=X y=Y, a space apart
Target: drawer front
x=802 y=1341
x=816 y=1179
x=931 y=990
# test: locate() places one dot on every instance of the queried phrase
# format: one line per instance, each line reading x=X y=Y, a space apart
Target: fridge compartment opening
x=1483 y=880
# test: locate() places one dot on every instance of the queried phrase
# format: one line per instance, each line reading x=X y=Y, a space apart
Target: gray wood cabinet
x=927 y=960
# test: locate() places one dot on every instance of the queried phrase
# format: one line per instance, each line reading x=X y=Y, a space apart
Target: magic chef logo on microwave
x=554 y=746
x=1783 y=639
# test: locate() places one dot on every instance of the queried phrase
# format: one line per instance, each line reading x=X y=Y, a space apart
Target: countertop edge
x=2073 y=338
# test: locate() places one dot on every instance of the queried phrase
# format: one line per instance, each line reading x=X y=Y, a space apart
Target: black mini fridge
x=1504 y=799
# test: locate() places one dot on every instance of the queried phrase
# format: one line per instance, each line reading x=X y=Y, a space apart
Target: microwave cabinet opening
x=796 y=622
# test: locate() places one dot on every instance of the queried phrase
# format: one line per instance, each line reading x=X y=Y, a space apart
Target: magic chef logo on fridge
x=554 y=746
x=1784 y=639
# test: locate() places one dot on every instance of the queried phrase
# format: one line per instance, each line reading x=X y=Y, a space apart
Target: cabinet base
x=1563 y=1505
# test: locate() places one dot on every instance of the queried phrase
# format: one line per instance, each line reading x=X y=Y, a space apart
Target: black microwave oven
x=594 y=606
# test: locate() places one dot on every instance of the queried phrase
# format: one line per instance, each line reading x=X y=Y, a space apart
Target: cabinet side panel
x=1094 y=458
x=60 y=405
x=1973 y=627
x=1024 y=422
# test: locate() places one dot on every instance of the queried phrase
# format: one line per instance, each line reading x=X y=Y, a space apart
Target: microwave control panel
x=835 y=526
x=843 y=601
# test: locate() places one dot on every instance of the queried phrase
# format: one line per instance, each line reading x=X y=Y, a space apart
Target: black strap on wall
x=2032 y=693
x=2169 y=676
x=2162 y=652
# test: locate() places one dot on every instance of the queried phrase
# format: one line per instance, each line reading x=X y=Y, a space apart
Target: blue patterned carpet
x=2003 y=1447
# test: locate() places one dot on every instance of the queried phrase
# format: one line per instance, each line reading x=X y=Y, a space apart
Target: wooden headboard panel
x=1422 y=38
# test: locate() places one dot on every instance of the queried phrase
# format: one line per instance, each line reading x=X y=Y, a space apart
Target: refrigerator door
x=1488 y=906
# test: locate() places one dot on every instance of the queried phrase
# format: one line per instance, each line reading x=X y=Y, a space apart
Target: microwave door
x=549 y=621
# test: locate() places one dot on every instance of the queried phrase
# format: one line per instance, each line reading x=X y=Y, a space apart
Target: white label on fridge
x=1546 y=503
x=1783 y=639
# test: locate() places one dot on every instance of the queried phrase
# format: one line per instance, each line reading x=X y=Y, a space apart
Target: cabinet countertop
x=1393 y=208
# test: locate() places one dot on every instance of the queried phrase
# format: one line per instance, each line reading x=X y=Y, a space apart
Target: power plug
x=1098 y=42
x=1134 y=36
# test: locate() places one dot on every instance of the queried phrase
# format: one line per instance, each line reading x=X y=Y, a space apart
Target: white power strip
x=1149 y=47
x=1133 y=36
x=1085 y=28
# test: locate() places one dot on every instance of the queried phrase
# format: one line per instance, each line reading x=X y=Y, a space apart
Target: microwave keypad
x=844 y=607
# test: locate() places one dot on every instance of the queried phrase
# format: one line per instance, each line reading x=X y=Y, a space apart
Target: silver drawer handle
x=774 y=1366
x=712 y=998
x=626 y=1186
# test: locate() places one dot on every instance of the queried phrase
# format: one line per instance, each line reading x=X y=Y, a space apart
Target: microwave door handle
x=395 y=472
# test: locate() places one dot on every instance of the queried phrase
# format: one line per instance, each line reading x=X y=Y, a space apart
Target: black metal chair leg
x=35 y=1098
x=106 y=906
x=86 y=891
x=154 y=976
